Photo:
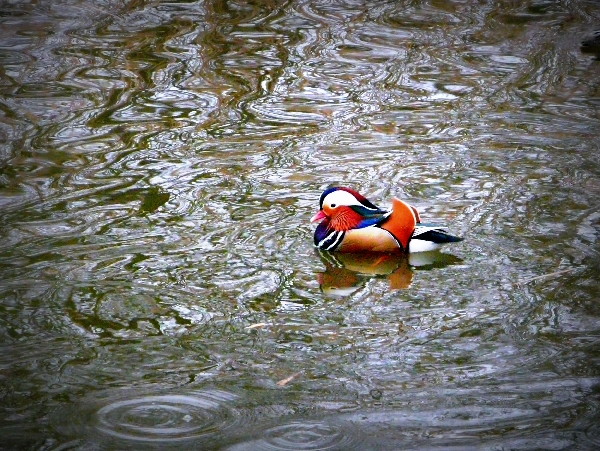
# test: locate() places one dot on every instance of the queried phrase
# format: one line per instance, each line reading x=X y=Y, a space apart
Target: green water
x=160 y=162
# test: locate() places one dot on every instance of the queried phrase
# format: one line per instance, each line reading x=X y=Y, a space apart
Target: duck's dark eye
x=333 y=205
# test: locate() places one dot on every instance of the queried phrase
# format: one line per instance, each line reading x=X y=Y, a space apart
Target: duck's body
x=351 y=223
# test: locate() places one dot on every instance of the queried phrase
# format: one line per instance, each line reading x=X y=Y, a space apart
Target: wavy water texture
x=160 y=161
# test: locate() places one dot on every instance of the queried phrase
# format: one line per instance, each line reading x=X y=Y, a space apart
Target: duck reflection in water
x=346 y=272
x=591 y=44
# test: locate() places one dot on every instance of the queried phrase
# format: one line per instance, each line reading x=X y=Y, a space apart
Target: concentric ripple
x=165 y=418
x=303 y=436
x=309 y=436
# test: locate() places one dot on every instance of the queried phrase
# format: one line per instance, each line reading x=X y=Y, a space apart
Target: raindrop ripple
x=166 y=418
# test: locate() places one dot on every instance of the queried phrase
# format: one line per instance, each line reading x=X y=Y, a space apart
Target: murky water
x=160 y=161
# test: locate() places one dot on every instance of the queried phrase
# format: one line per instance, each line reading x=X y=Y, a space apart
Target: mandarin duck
x=349 y=222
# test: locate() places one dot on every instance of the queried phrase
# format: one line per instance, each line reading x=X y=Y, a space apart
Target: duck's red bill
x=318 y=217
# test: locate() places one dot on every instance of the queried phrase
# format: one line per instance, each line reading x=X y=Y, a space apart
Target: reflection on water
x=591 y=44
x=160 y=161
x=345 y=272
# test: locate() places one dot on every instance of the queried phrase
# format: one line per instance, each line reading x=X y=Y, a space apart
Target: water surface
x=160 y=161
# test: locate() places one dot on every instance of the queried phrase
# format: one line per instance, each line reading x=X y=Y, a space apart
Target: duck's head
x=342 y=209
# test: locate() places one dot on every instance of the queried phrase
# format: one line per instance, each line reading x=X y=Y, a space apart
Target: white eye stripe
x=340 y=198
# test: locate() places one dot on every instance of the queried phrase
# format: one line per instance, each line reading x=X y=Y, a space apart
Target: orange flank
x=401 y=222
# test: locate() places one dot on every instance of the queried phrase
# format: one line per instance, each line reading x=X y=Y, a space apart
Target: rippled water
x=160 y=161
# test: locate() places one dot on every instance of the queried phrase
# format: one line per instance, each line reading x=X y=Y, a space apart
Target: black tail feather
x=438 y=236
